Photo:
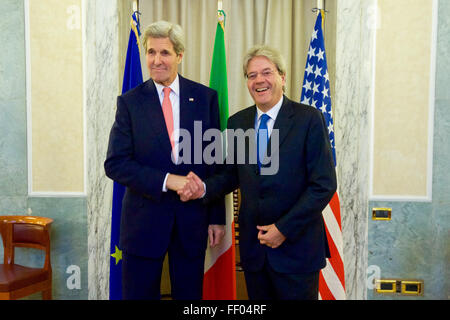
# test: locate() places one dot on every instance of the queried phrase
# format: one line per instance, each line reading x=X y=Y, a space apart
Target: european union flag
x=131 y=78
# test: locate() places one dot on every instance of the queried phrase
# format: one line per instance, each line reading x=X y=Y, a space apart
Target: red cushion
x=15 y=276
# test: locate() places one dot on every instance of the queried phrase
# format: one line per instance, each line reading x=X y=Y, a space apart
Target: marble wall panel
x=101 y=44
x=354 y=49
x=13 y=116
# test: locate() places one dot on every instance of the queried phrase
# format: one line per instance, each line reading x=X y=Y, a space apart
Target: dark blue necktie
x=262 y=139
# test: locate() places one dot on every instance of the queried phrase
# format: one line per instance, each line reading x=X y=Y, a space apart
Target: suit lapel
x=248 y=122
x=155 y=116
x=283 y=122
x=187 y=106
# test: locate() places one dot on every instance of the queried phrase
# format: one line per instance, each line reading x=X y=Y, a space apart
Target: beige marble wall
x=56 y=96
x=402 y=98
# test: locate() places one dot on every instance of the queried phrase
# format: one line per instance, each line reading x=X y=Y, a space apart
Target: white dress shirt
x=272 y=113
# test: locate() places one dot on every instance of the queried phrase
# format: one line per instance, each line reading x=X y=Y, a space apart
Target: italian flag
x=219 y=282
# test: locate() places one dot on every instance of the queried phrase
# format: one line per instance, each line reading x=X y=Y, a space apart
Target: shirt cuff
x=204 y=188
x=164 y=187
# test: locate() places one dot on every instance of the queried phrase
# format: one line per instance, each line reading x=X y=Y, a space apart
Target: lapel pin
x=191 y=99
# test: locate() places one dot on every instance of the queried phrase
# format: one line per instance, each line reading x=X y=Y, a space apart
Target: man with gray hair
x=282 y=238
x=142 y=155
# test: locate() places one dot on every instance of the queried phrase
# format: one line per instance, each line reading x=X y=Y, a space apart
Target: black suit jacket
x=139 y=157
x=293 y=198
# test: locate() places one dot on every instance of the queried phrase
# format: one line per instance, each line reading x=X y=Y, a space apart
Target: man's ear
x=180 y=57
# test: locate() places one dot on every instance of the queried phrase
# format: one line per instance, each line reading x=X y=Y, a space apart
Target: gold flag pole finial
x=221 y=14
x=134 y=23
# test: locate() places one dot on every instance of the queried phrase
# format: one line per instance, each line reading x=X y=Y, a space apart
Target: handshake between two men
x=188 y=187
x=191 y=187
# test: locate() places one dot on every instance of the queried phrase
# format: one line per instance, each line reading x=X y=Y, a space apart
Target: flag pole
x=219 y=5
x=135 y=5
x=320 y=4
x=321 y=9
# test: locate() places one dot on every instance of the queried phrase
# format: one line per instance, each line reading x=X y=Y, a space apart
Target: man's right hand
x=175 y=182
x=193 y=189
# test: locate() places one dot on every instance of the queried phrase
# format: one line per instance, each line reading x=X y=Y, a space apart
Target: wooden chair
x=17 y=281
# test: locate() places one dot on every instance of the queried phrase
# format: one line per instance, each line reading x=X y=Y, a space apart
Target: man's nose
x=260 y=77
x=157 y=59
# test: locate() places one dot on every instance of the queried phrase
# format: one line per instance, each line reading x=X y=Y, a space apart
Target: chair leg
x=47 y=294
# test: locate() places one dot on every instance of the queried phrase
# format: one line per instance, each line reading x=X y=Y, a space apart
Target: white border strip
x=31 y=193
x=400 y=198
x=431 y=107
x=84 y=90
x=28 y=89
x=372 y=109
x=56 y=194
x=432 y=97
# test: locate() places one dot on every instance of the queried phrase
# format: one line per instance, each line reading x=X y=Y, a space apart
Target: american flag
x=316 y=93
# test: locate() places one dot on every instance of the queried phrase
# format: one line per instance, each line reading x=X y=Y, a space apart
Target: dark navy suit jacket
x=293 y=198
x=139 y=157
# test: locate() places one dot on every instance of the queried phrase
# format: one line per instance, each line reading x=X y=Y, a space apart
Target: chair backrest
x=25 y=231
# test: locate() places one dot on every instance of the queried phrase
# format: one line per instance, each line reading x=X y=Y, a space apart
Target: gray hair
x=164 y=29
x=265 y=51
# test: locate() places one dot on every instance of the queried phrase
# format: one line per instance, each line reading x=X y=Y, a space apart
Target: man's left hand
x=216 y=233
x=270 y=236
x=193 y=189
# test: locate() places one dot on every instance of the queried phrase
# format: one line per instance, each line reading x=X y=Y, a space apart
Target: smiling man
x=282 y=240
x=265 y=82
x=142 y=156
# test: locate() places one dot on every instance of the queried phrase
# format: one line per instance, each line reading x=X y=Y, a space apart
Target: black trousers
x=267 y=284
x=141 y=276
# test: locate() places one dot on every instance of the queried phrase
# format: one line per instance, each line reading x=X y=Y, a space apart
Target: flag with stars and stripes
x=316 y=93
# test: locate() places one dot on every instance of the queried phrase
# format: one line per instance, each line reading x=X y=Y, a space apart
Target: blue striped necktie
x=262 y=138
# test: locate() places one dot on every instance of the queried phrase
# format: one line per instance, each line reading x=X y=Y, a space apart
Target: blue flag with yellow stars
x=132 y=77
